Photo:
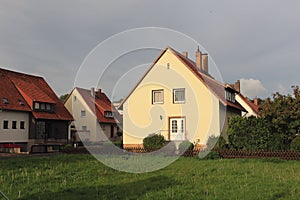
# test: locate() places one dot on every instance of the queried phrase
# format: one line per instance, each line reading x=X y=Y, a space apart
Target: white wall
x=14 y=135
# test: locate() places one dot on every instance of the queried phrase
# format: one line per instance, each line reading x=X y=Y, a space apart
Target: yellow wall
x=201 y=108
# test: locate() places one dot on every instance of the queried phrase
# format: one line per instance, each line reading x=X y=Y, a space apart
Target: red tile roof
x=217 y=88
x=17 y=86
x=99 y=104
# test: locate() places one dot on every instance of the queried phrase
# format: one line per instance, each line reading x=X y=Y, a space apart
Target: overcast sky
x=255 y=41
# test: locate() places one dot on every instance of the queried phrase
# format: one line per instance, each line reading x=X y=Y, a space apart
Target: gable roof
x=217 y=88
x=19 y=87
x=99 y=104
x=254 y=107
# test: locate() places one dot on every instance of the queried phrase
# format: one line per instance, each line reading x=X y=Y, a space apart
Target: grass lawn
x=83 y=177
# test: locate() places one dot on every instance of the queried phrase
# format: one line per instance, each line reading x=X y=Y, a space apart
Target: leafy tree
x=277 y=126
x=63 y=97
x=283 y=113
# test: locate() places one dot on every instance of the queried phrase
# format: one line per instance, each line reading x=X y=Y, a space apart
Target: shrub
x=185 y=145
x=68 y=146
x=118 y=144
x=154 y=142
x=295 y=144
x=119 y=133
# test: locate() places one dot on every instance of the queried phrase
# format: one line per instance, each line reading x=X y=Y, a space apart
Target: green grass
x=83 y=177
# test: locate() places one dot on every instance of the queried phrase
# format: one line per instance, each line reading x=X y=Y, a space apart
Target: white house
x=93 y=112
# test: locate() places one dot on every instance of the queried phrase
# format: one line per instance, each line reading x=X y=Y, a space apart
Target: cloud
x=281 y=89
x=252 y=88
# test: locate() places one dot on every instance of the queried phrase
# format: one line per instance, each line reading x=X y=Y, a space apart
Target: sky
x=257 y=42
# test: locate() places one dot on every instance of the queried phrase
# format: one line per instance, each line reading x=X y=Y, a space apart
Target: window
x=83 y=113
x=108 y=114
x=230 y=96
x=21 y=103
x=43 y=106
x=75 y=98
x=40 y=130
x=14 y=125
x=102 y=127
x=48 y=107
x=179 y=95
x=5 y=124
x=84 y=128
x=174 y=126
x=22 y=125
x=157 y=96
x=36 y=105
x=5 y=101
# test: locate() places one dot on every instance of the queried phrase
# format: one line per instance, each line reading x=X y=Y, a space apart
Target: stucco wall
x=201 y=108
x=94 y=129
x=14 y=135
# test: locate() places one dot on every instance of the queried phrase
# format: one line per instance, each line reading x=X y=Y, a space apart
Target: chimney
x=99 y=92
x=204 y=63
x=185 y=54
x=237 y=86
x=198 y=59
x=93 y=92
x=255 y=101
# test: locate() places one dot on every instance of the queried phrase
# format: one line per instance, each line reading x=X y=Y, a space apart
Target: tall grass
x=83 y=177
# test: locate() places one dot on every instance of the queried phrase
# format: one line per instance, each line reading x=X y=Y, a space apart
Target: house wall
x=14 y=135
x=75 y=104
x=141 y=117
x=94 y=129
x=106 y=128
x=249 y=112
x=229 y=112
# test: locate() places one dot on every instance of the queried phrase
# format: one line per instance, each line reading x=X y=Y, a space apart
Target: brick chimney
x=255 y=101
x=204 y=63
x=185 y=54
x=237 y=86
x=93 y=92
x=99 y=92
x=198 y=59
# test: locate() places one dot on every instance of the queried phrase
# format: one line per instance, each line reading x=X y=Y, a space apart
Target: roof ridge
x=20 y=73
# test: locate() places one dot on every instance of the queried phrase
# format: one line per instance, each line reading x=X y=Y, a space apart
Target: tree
x=277 y=126
x=283 y=113
x=63 y=97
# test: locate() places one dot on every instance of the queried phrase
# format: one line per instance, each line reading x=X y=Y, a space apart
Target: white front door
x=177 y=128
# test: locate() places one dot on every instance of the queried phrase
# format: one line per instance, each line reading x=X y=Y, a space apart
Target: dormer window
x=39 y=106
x=5 y=101
x=230 y=96
x=21 y=103
x=108 y=114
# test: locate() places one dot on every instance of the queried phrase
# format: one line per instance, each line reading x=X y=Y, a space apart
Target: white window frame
x=174 y=94
x=153 y=96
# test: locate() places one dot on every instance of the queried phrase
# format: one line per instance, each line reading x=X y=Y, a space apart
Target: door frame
x=169 y=122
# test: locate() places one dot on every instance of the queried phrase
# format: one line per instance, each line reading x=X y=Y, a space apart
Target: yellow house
x=178 y=99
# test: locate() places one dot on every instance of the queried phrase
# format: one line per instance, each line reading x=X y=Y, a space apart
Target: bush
x=185 y=145
x=68 y=146
x=119 y=144
x=295 y=144
x=119 y=133
x=154 y=142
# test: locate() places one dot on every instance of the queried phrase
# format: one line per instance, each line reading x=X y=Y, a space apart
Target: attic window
x=108 y=114
x=230 y=96
x=21 y=103
x=5 y=101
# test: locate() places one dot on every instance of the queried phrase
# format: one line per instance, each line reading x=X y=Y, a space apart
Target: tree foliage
x=277 y=126
x=63 y=97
